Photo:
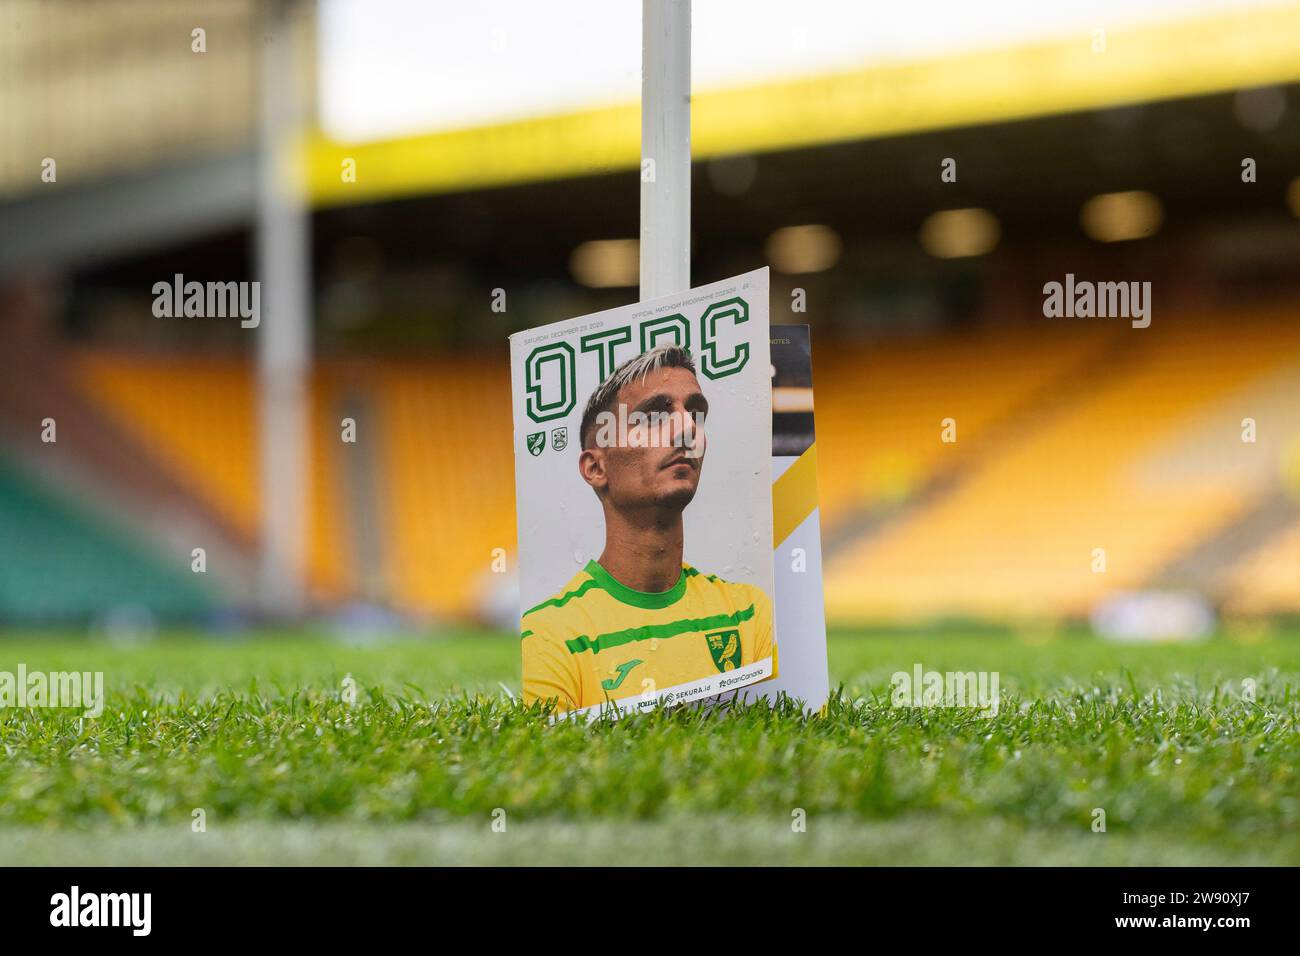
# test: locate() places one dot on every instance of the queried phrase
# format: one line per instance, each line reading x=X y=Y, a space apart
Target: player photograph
x=638 y=599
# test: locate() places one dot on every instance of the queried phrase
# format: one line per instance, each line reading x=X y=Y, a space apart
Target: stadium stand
x=196 y=415
x=448 y=476
x=1267 y=580
x=430 y=435
x=58 y=440
x=1026 y=520
x=1068 y=439
x=63 y=563
x=880 y=408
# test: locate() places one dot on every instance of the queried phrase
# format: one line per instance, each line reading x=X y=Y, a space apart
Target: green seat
x=59 y=561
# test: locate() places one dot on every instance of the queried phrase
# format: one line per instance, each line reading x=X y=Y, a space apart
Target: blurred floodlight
x=1293 y=196
x=797 y=249
x=1259 y=110
x=958 y=233
x=733 y=175
x=607 y=263
x=1117 y=217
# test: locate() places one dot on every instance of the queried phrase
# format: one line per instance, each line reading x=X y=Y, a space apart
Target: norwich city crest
x=536 y=442
x=725 y=648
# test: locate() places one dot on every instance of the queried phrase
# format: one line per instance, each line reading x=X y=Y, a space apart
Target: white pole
x=283 y=335
x=665 y=147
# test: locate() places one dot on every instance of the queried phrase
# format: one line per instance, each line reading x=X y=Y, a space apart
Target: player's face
x=660 y=461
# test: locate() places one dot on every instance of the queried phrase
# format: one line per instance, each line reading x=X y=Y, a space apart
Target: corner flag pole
x=665 y=147
x=284 y=333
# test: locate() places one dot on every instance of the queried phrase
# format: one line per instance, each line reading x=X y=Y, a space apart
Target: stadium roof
x=148 y=157
x=1144 y=62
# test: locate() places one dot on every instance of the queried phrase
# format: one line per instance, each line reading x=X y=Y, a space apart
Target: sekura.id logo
x=536 y=443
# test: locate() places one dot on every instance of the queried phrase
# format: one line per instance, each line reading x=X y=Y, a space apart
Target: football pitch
x=253 y=751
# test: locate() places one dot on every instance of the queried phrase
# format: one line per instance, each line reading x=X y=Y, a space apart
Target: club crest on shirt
x=724 y=647
x=536 y=442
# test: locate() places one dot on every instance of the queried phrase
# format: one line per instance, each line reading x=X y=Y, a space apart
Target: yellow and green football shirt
x=599 y=640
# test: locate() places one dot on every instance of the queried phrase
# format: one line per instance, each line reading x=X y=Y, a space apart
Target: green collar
x=644 y=599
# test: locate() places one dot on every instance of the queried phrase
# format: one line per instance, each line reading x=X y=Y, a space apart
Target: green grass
x=256 y=735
